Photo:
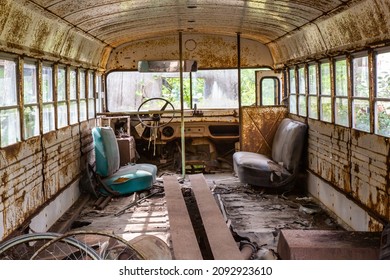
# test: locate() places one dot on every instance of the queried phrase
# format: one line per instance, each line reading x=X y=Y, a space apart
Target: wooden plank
x=184 y=242
x=222 y=243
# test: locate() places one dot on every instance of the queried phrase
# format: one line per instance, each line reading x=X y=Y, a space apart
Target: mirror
x=167 y=66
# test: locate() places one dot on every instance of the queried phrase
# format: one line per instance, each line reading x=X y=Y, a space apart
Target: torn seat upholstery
x=120 y=179
x=281 y=169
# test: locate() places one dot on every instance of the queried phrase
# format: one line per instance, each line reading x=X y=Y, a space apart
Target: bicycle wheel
x=23 y=247
x=108 y=246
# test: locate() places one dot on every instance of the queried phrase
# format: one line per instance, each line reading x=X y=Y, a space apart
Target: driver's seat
x=121 y=180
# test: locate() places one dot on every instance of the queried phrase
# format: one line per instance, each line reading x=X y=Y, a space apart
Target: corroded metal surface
x=35 y=171
x=356 y=164
x=209 y=51
x=258 y=127
x=86 y=31
x=363 y=24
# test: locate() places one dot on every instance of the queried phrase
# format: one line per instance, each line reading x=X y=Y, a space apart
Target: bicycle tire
x=13 y=243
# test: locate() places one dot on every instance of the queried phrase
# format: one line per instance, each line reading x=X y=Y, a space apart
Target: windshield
x=205 y=88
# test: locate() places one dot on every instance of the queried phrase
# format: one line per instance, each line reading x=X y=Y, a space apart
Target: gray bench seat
x=281 y=168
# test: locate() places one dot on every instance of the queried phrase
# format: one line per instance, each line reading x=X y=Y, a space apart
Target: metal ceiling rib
x=120 y=21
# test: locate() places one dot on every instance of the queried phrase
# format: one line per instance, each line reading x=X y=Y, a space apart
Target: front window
x=204 y=88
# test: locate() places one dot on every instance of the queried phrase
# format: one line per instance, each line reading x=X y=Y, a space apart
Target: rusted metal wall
x=34 y=172
x=356 y=164
x=27 y=29
x=210 y=51
x=363 y=24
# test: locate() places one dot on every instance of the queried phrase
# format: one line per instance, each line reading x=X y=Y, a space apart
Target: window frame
x=302 y=90
x=344 y=87
x=63 y=102
x=47 y=102
x=16 y=106
x=323 y=96
x=35 y=104
x=292 y=90
x=310 y=94
x=376 y=99
x=355 y=97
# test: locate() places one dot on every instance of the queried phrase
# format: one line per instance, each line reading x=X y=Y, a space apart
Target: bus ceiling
x=113 y=35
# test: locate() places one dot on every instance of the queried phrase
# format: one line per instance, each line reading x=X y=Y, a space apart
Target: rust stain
x=20 y=24
x=5 y=8
x=4 y=179
x=40 y=37
x=12 y=151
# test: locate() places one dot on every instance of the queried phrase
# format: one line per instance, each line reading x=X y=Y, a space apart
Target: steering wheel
x=155 y=116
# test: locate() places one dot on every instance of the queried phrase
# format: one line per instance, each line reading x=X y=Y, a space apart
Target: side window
x=382 y=96
x=83 y=97
x=91 y=96
x=341 y=93
x=313 y=91
x=73 y=96
x=62 y=108
x=47 y=99
x=302 y=91
x=360 y=94
x=293 y=93
x=30 y=98
x=99 y=92
x=325 y=93
x=9 y=110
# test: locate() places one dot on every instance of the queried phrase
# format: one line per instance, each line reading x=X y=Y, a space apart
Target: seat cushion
x=258 y=170
x=132 y=178
x=129 y=182
x=151 y=168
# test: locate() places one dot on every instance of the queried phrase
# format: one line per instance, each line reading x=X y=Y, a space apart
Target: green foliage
x=248 y=87
x=171 y=90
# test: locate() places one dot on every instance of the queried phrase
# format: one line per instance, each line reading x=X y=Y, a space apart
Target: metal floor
x=254 y=214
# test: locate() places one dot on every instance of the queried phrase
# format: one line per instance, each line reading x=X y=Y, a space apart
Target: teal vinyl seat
x=120 y=179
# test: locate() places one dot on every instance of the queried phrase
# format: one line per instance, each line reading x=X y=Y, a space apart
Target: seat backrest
x=288 y=143
x=106 y=151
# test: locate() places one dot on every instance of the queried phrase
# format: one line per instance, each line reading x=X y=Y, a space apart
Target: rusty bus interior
x=186 y=86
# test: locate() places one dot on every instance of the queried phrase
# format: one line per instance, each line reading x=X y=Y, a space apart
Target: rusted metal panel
x=21 y=182
x=258 y=127
x=30 y=176
x=209 y=51
x=28 y=29
x=354 y=162
x=364 y=23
